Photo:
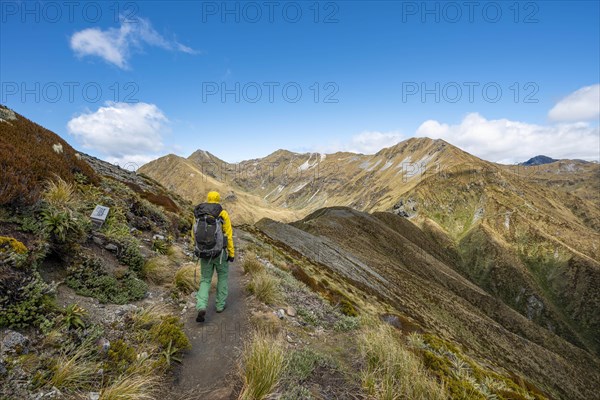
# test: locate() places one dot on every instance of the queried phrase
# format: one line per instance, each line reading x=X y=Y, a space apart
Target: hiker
x=213 y=238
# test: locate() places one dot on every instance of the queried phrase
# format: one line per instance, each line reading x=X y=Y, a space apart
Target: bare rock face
x=406 y=208
x=6 y=114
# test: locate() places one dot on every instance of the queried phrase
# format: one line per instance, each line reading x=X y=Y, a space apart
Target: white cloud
x=367 y=142
x=371 y=142
x=122 y=132
x=581 y=105
x=507 y=141
x=115 y=45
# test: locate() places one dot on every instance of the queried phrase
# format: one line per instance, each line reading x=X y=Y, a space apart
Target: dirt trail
x=208 y=369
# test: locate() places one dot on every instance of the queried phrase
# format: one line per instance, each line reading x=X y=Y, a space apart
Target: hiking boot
x=200 y=317
x=220 y=310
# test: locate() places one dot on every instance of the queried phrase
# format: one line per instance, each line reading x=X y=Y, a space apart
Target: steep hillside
x=31 y=154
x=389 y=258
x=86 y=311
x=533 y=247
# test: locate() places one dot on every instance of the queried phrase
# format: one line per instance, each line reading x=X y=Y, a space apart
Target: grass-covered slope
x=394 y=263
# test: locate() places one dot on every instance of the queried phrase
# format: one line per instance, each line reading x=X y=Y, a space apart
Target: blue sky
x=362 y=69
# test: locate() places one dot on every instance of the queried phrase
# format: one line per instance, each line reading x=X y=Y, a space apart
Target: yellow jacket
x=215 y=197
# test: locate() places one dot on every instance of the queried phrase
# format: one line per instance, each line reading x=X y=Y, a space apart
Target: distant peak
x=539 y=160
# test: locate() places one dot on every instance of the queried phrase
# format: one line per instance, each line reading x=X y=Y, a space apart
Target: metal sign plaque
x=99 y=215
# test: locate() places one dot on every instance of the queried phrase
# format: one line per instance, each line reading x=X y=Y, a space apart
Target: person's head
x=213 y=197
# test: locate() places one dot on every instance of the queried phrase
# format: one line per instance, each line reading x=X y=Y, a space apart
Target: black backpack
x=208 y=230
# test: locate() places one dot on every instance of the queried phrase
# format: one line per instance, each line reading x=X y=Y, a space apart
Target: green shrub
x=347 y=308
x=25 y=299
x=297 y=393
x=169 y=332
x=89 y=278
x=131 y=256
x=64 y=226
x=346 y=324
x=161 y=246
x=73 y=316
x=143 y=208
x=302 y=363
x=30 y=224
x=120 y=356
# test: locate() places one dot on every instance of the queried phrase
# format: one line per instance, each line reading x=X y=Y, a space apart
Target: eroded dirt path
x=209 y=369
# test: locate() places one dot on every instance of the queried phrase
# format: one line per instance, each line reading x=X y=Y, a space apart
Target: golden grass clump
x=184 y=278
x=252 y=265
x=159 y=270
x=263 y=362
x=266 y=323
x=131 y=387
x=392 y=371
x=176 y=255
x=72 y=371
x=266 y=288
x=59 y=193
x=149 y=316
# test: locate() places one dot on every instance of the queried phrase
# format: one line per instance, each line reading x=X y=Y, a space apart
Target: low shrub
x=119 y=358
x=169 y=332
x=9 y=244
x=131 y=256
x=25 y=299
x=89 y=278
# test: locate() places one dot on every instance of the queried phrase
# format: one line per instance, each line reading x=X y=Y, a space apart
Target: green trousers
x=207 y=269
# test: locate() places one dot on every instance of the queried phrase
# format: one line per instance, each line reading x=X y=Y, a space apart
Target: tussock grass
x=263 y=362
x=149 y=316
x=266 y=288
x=184 y=278
x=131 y=387
x=252 y=265
x=159 y=270
x=176 y=255
x=59 y=193
x=266 y=323
x=73 y=371
x=393 y=371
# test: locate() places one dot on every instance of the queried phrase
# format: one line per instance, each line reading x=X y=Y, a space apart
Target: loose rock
x=14 y=343
x=111 y=247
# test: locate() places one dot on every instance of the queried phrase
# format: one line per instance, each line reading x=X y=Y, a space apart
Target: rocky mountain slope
x=528 y=235
x=391 y=260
